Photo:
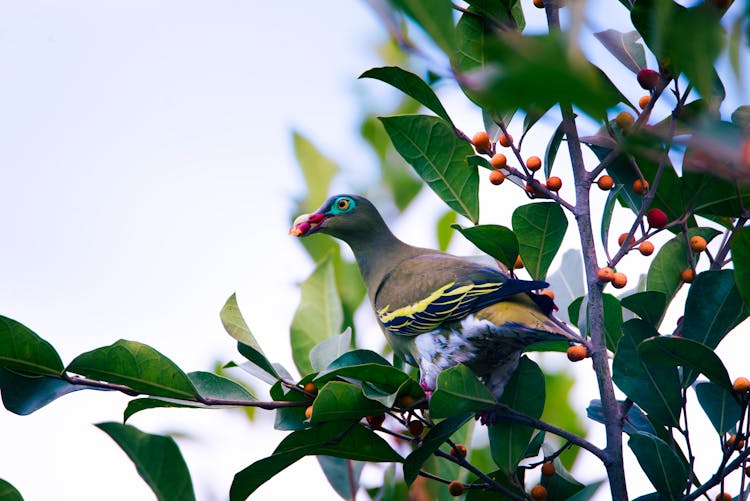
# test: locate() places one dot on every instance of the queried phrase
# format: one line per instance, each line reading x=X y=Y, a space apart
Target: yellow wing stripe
x=449 y=302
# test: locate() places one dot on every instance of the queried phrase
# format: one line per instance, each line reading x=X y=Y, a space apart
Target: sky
x=147 y=173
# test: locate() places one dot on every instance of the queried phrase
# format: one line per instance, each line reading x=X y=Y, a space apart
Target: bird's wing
x=425 y=291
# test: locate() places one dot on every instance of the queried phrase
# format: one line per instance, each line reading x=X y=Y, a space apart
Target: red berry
x=657 y=218
x=648 y=78
x=376 y=421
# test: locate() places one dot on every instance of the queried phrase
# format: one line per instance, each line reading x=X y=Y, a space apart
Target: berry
x=577 y=352
x=518 y=264
x=657 y=218
x=624 y=121
x=532 y=188
x=548 y=293
x=481 y=141
x=308 y=412
x=459 y=451
x=621 y=240
x=534 y=163
x=643 y=101
x=498 y=161
x=648 y=78
x=687 y=275
x=640 y=186
x=554 y=183
x=456 y=488
x=416 y=428
x=538 y=493
x=619 y=280
x=539 y=4
x=646 y=248
x=698 y=243
x=376 y=421
x=605 y=274
x=405 y=401
x=497 y=177
x=548 y=469
x=505 y=140
x=311 y=388
x=741 y=384
x=723 y=496
x=605 y=182
x=747 y=471
x=736 y=443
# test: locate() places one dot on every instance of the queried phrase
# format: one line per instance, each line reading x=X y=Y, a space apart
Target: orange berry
x=481 y=141
x=741 y=384
x=459 y=451
x=405 y=401
x=736 y=443
x=643 y=101
x=605 y=274
x=621 y=240
x=539 y=4
x=376 y=421
x=619 y=280
x=640 y=186
x=577 y=352
x=518 y=264
x=497 y=177
x=308 y=412
x=548 y=469
x=505 y=140
x=538 y=493
x=456 y=488
x=624 y=121
x=605 y=182
x=687 y=275
x=499 y=161
x=311 y=388
x=698 y=243
x=723 y=496
x=548 y=293
x=416 y=428
x=534 y=163
x=554 y=183
x=646 y=248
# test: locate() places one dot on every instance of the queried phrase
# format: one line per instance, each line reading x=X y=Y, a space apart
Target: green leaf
x=23 y=394
x=649 y=305
x=213 y=386
x=444 y=229
x=561 y=485
x=410 y=84
x=720 y=405
x=342 y=474
x=672 y=258
x=330 y=349
x=355 y=442
x=540 y=228
x=609 y=207
x=636 y=420
x=431 y=146
x=385 y=377
x=137 y=366
x=435 y=437
x=663 y=24
x=625 y=47
x=338 y=401
x=567 y=281
x=459 y=391
x=497 y=241
x=157 y=459
x=235 y=325
x=661 y=464
x=317 y=169
x=23 y=350
x=550 y=154
x=713 y=307
x=435 y=18
x=676 y=351
x=655 y=388
x=318 y=316
x=741 y=257
x=525 y=393
x=141 y=404
x=8 y=492
x=289 y=418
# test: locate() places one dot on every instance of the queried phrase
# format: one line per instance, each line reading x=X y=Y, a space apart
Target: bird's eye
x=342 y=203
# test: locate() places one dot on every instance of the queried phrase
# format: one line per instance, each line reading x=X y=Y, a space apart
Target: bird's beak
x=306 y=224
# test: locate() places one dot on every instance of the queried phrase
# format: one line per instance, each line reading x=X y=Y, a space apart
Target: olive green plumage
x=437 y=309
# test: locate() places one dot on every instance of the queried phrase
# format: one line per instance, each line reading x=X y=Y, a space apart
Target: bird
x=438 y=310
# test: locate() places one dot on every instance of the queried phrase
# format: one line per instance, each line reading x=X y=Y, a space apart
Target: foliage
x=352 y=406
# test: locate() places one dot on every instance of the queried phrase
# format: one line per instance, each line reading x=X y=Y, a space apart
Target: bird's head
x=341 y=216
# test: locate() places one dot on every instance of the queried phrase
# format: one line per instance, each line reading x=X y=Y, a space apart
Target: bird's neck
x=376 y=253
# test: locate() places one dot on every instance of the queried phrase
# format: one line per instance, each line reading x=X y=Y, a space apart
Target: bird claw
x=487 y=417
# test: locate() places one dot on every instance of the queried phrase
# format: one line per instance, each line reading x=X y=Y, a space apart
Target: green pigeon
x=436 y=309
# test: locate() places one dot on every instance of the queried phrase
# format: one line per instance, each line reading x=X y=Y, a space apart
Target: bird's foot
x=487 y=417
